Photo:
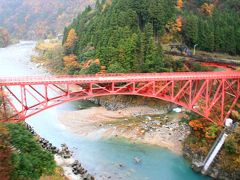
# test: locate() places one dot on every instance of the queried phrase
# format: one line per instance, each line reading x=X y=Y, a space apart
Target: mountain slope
x=212 y=24
x=123 y=34
x=34 y=19
x=126 y=35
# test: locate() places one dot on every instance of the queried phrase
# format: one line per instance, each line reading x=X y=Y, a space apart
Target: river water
x=101 y=157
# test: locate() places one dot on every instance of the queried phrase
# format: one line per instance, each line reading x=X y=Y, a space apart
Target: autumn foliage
x=196 y=124
x=89 y=62
x=179 y=24
x=71 y=38
x=70 y=61
x=172 y=28
x=31 y=19
x=179 y=4
x=209 y=130
x=103 y=70
x=207 y=8
x=175 y=26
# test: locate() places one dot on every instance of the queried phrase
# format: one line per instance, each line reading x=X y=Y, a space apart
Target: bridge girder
x=212 y=95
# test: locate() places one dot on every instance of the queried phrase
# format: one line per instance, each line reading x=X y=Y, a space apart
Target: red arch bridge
x=212 y=95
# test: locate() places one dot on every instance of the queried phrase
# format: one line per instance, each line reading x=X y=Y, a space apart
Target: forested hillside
x=214 y=25
x=126 y=35
x=33 y=19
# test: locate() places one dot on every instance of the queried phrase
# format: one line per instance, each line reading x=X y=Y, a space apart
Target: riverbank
x=141 y=124
x=70 y=168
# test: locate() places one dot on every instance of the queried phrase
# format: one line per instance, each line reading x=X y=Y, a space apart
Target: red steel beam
x=200 y=92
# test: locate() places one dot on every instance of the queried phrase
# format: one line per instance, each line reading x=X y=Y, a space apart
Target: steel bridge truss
x=211 y=95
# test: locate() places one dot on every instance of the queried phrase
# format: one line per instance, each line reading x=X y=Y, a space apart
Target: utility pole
x=194 y=51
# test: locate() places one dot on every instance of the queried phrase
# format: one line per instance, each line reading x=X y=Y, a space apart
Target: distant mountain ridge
x=34 y=19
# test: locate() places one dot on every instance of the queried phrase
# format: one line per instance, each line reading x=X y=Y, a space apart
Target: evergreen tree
x=125 y=34
x=206 y=35
x=217 y=31
x=230 y=41
x=190 y=31
x=238 y=40
x=219 y=28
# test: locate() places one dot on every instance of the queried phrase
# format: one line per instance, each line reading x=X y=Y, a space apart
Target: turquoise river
x=100 y=157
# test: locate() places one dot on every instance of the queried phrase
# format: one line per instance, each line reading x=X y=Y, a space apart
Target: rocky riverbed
x=116 y=117
x=63 y=157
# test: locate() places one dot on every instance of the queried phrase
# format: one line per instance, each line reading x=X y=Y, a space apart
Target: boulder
x=137 y=160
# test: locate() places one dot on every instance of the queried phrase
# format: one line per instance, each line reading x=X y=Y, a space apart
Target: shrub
x=31 y=161
x=230 y=146
x=5 y=153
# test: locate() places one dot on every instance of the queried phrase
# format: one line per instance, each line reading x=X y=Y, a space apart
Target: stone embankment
x=114 y=103
x=63 y=157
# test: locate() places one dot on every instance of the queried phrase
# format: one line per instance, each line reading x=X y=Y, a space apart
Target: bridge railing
x=131 y=76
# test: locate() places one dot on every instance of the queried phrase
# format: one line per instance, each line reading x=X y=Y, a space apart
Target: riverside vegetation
x=22 y=157
x=25 y=155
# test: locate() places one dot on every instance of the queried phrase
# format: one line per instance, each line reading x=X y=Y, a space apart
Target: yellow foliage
x=207 y=8
x=209 y=134
x=3 y=130
x=46 y=46
x=58 y=175
x=89 y=62
x=235 y=114
x=103 y=70
x=167 y=38
x=179 y=4
x=70 y=61
x=106 y=4
x=174 y=26
x=97 y=61
x=72 y=36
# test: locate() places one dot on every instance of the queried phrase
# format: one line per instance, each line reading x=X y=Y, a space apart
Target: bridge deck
x=31 y=80
x=212 y=95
